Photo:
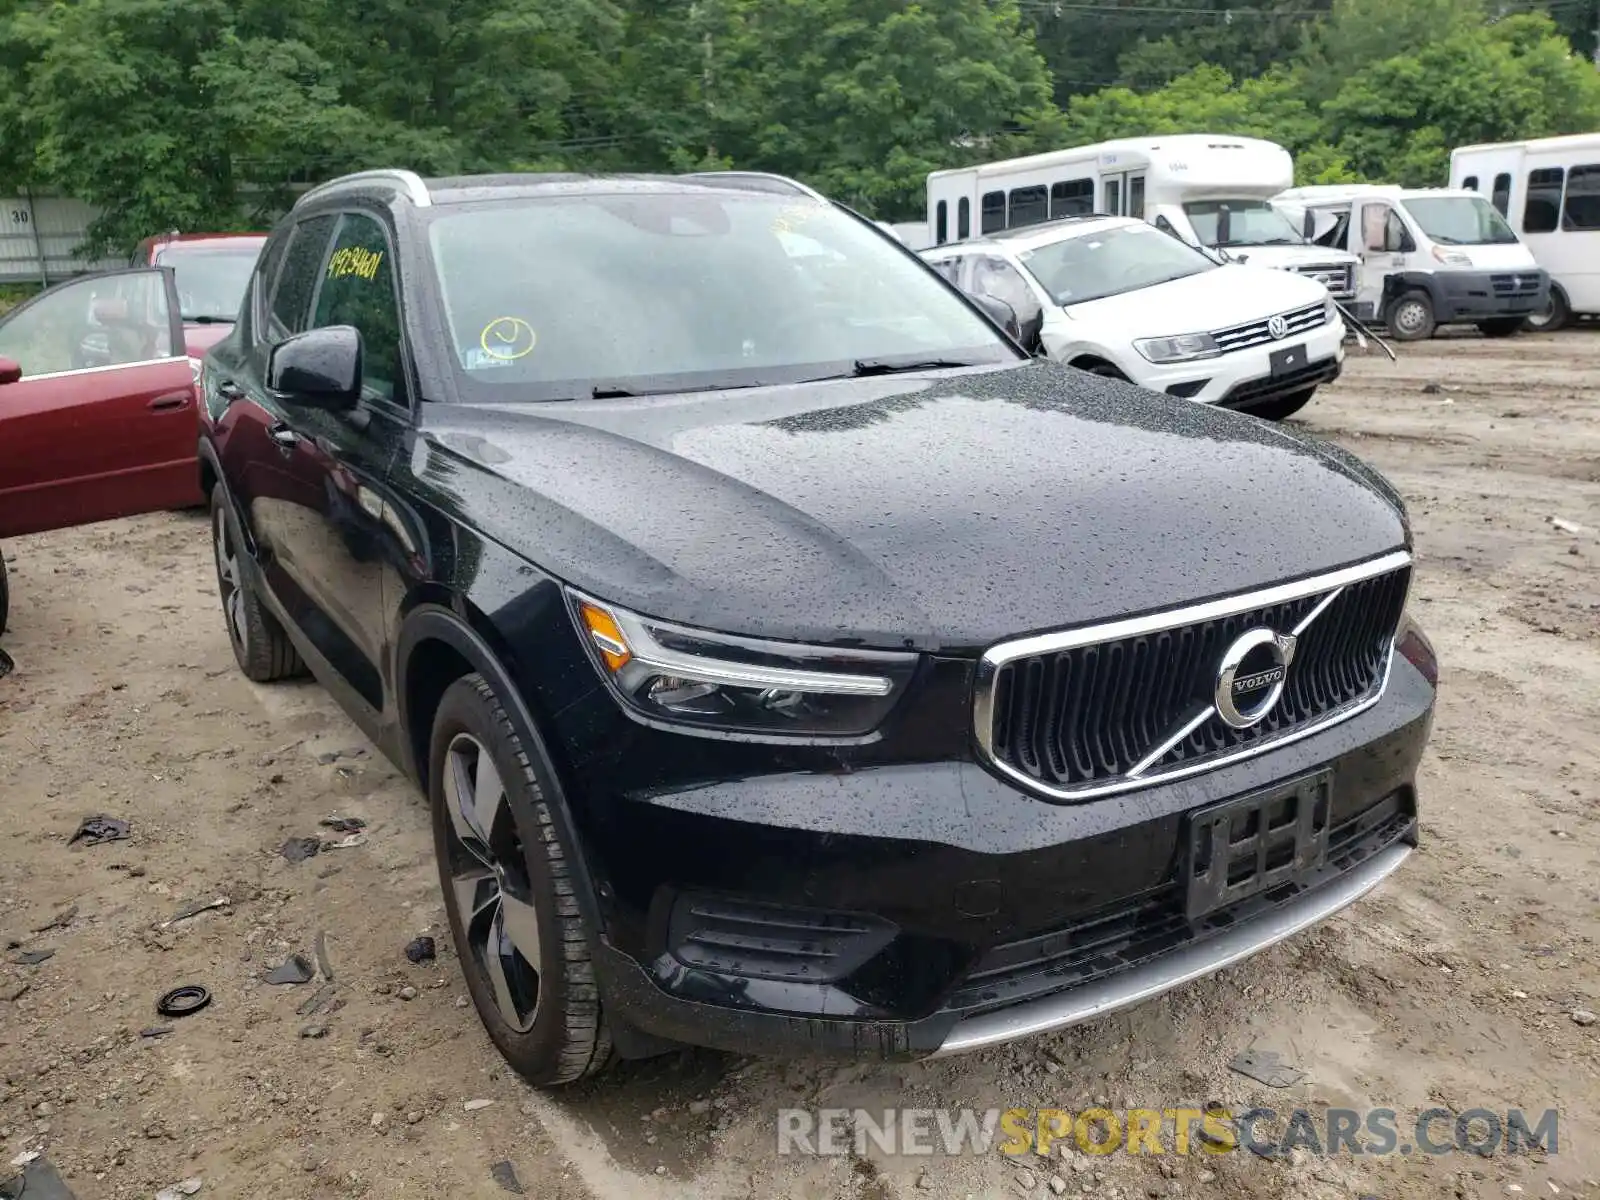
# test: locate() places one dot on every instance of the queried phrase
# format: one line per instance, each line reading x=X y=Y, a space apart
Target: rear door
x=103 y=422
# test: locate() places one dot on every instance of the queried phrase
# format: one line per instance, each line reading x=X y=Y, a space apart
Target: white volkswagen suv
x=1117 y=296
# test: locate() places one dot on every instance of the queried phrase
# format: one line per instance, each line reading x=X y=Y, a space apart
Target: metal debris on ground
x=298 y=849
x=476 y=1105
x=179 y=1190
x=320 y=949
x=60 y=921
x=505 y=1175
x=343 y=824
x=318 y=1000
x=183 y=1001
x=95 y=830
x=194 y=910
x=421 y=950
x=349 y=842
x=32 y=958
x=1266 y=1066
x=1565 y=526
x=296 y=968
x=155 y=1031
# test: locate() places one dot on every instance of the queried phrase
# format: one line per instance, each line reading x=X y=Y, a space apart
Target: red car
x=212 y=271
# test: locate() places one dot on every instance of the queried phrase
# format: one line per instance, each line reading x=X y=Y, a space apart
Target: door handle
x=171 y=402
x=282 y=436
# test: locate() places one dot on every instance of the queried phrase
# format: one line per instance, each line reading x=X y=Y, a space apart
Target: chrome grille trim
x=1148 y=775
x=1254 y=333
x=1338 y=278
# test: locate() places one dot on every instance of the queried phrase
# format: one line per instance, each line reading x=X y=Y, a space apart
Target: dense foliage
x=202 y=113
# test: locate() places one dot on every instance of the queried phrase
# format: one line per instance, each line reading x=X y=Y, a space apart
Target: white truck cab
x=1428 y=256
x=1206 y=189
x=1116 y=297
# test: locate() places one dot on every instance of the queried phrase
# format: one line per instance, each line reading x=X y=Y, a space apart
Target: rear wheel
x=1410 y=318
x=260 y=647
x=1501 y=327
x=1555 y=314
x=1283 y=407
x=509 y=893
x=5 y=595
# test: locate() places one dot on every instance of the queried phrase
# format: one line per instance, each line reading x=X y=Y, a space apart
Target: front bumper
x=906 y=910
x=1213 y=380
x=1486 y=295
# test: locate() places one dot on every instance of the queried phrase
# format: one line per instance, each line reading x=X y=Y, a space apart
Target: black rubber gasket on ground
x=183 y=1001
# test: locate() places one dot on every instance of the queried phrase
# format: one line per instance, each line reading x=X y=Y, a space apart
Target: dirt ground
x=1453 y=985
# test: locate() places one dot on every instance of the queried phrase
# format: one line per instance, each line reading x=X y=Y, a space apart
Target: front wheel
x=1501 y=327
x=509 y=893
x=1283 y=407
x=1552 y=317
x=1410 y=318
x=5 y=595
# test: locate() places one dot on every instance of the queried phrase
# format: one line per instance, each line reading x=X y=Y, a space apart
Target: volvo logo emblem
x=1277 y=327
x=1252 y=675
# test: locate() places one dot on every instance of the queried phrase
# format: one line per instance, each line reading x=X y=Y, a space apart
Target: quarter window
x=941 y=223
x=1470 y=183
x=1029 y=206
x=1501 y=197
x=994 y=212
x=963 y=218
x=1543 y=205
x=291 y=301
x=358 y=290
x=1582 y=208
x=1071 y=198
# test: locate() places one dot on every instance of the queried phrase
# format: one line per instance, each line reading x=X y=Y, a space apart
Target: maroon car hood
x=197 y=339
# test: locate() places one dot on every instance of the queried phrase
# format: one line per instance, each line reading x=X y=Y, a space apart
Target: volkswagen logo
x=1277 y=327
x=1251 y=676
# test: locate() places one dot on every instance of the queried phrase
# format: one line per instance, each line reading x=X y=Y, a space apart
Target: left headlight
x=720 y=683
x=1180 y=348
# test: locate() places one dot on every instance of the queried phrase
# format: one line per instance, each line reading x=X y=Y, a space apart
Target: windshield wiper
x=894 y=366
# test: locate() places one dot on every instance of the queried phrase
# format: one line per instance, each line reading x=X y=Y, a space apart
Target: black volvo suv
x=791 y=662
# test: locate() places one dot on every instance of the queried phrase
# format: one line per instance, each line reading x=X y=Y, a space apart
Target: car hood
x=197 y=339
x=937 y=512
x=1229 y=295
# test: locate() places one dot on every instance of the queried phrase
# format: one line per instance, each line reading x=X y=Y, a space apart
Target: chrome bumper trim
x=1192 y=962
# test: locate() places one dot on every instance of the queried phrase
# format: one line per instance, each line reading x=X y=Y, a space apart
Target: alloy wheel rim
x=229 y=581
x=489 y=879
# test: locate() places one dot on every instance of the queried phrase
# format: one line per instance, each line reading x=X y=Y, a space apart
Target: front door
x=1377 y=238
x=102 y=422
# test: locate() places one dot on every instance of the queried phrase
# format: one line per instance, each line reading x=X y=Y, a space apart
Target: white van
x=1429 y=256
x=1116 y=297
x=1206 y=189
x=1548 y=190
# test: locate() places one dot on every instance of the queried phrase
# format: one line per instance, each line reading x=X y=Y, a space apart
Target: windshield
x=1107 y=262
x=563 y=297
x=1250 y=223
x=211 y=280
x=1460 y=221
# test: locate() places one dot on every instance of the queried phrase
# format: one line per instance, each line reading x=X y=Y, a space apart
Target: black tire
x=1411 y=318
x=260 y=647
x=1105 y=370
x=5 y=594
x=517 y=871
x=1501 y=327
x=1557 y=315
x=1282 y=408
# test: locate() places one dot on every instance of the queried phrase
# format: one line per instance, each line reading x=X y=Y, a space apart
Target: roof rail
x=407 y=181
x=760 y=181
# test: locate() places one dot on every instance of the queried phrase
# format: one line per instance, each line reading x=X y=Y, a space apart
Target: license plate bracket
x=1287 y=361
x=1253 y=843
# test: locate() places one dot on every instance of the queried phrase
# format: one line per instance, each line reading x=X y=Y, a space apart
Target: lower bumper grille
x=1515 y=285
x=1276 y=387
x=1118 y=707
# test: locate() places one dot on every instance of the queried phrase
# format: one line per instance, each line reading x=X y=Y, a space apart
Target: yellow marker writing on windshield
x=507 y=338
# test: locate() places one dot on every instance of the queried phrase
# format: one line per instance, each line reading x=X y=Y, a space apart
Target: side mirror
x=1030 y=331
x=10 y=370
x=1001 y=313
x=320 y=368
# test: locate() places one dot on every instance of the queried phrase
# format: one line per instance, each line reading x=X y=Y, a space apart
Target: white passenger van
x=1429 y=256
x=1548 y=190
x=1205 y=189
x=1114 y=297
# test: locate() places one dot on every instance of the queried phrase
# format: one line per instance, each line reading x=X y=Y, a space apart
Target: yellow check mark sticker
x=508 y=339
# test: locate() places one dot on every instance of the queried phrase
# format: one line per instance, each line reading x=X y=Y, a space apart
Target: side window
x=963 y=218
x=941 y=227
x=261 y=283
x=1394 y=233
x=1582 y=208
x=1113 y=196
x=994 y=276
x=994 y=212
x=1501 y=198
x=1165 y=226
x=950 y=268
x=1136 y=197
x=1543 y=204
x=1071 y=198
x=291 y=298
x=358 y=289
x=1470 y=183
x=1029 y=206
x=102 y=321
